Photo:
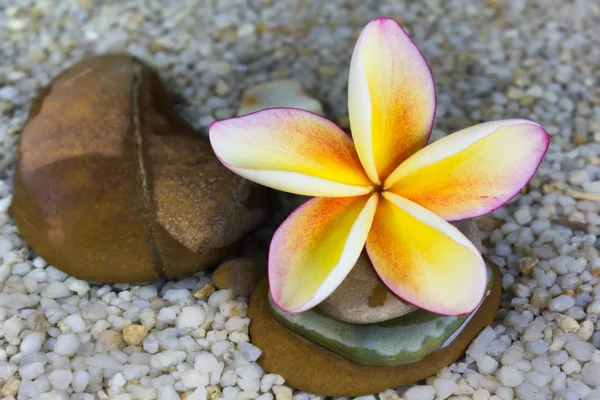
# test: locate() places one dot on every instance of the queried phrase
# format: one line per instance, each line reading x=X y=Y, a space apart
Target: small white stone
x=510 y=375
x=75 y=323
x=232 y=393
x=198 y=394
x=561 y=303
x=166 y=359
x=55 y=290
x=60 y=378
x=444 y=387
x=78 y=286
x=249 y=351
x=512 y=354
x=594 y=307
x=537 y=347
x=523 y=216
x=7 y=370
x=168 y=393
x=220 y=348
x=147 y=292
x=538 y=379
x=282 y=392
x=219 y=297
x=590 y=374
x=190 y=317
x=571 y=366
x=247 y=395
x=487 y=365
x=118 y=380
x=586 y=330
x=80 y=381
x=249 y=385
x=269 y=396
x=505 y=393
x=176 y=295
x=481 y=394
x=67 y=345
x=567 y=324
x=150 y=344
x=32 y=342
x=205 y=362
x=167 y=315
x=268 y=380
x=527 y=391
x=582 y=351
x=13 y=326
x=420 y=393
x=577 y=385
x=32 y=370
x=233 y=308
x=193 y=378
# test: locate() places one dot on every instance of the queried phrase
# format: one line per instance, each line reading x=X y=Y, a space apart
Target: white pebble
x=487 y=365
x=55 y=290
x=282 y=392
x=166 y=359
x=190 y=318
x=80 y=381
x=586 y=330
x=561 y=303
x=444 y=387
x=420 y=393
x=60 y=378
x=205 y=362
x=66 y=345
x=32 y=370
x=219 y=297
x=582 y=351
x=268 y=380
x=75 y=323
x=32 y=342
x=510 y=375
x=249 y=351
x=590 y=374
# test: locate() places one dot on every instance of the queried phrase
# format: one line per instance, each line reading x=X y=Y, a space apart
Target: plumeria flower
x=385 y=189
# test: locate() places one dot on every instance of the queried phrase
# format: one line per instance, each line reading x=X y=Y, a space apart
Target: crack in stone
x=142 y=174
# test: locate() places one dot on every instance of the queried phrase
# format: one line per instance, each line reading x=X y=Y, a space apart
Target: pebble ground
x=61 y=338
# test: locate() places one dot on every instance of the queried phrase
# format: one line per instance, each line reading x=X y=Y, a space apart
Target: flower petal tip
x=390 y=86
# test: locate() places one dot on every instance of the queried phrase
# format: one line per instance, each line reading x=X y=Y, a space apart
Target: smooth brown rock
x=311 y=368
x=240 y=275
x=362 y=298
x=111 y=185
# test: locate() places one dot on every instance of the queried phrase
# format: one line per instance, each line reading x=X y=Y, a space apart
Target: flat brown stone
x=240 y=275
x=311 y=368
x=112 y=185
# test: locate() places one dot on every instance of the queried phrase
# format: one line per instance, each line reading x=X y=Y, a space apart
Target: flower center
x=379 y=189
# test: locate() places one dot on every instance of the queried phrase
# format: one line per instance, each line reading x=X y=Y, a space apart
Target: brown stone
x=112 y=185
x=362 y=298
x=240 y=275
x=309 y=367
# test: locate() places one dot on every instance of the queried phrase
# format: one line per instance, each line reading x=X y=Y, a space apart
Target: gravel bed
x=62 y=338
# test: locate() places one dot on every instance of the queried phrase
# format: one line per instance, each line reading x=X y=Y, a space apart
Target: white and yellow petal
x=291 y=150
x=391 y=98
x=316 y=247
x=474 y=171
x=425 y=260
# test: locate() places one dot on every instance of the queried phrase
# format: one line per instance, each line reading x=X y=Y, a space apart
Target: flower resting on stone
x=384 y=188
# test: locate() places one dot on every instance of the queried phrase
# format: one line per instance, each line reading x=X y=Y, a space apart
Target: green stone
x=402 y=340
